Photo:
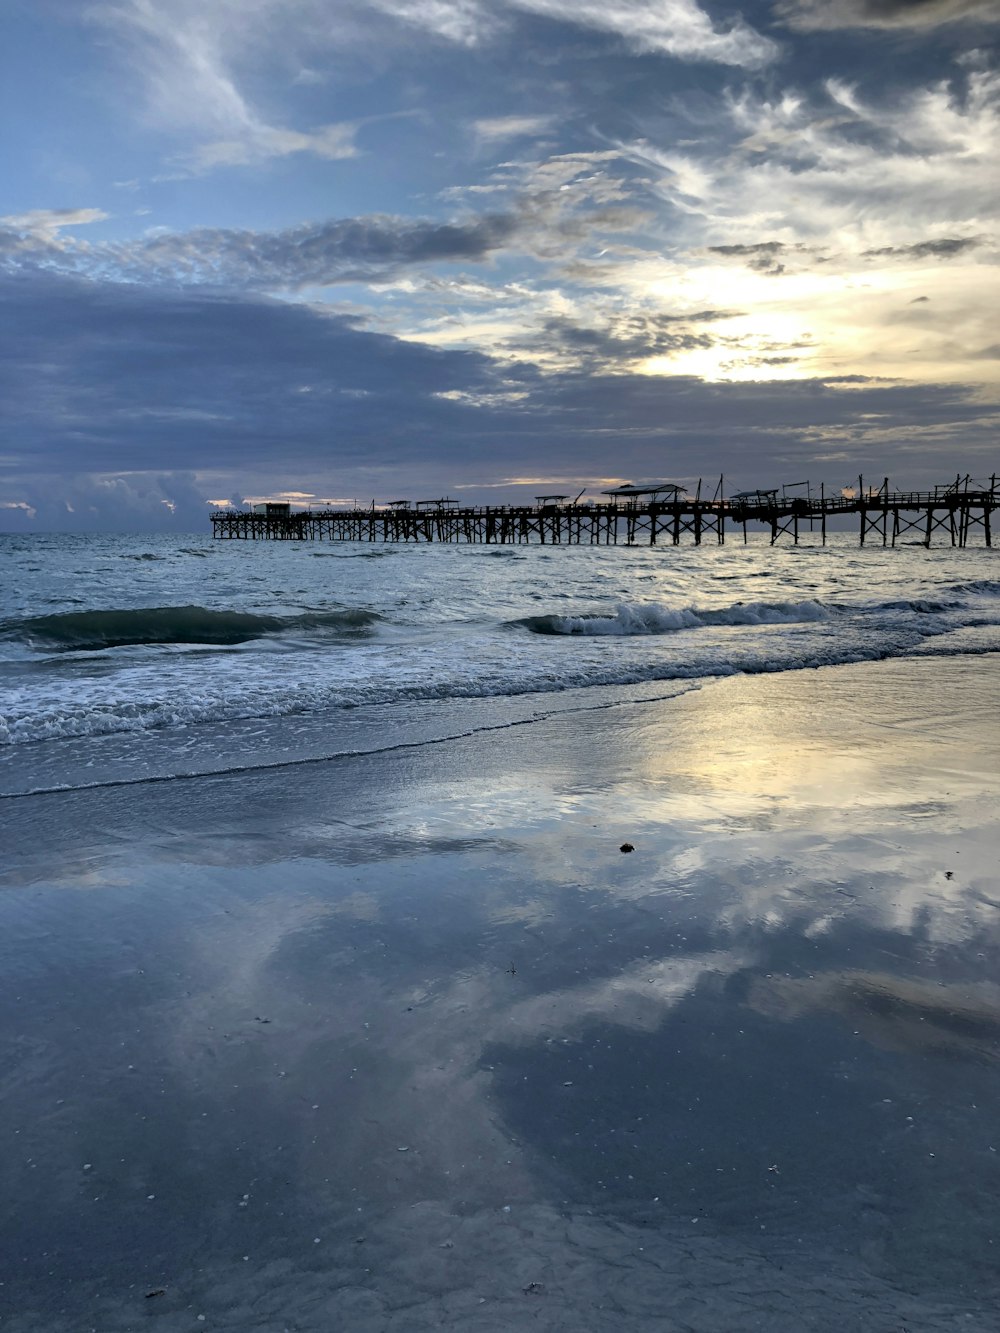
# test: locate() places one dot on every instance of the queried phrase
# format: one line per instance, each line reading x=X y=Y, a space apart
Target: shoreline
x=134 y=758
x=420 y=1009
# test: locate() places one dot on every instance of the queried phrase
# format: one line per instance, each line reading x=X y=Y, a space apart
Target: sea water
x=129 y=657
x=411 y=1040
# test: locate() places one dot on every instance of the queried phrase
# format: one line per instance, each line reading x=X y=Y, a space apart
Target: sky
x=356 y=250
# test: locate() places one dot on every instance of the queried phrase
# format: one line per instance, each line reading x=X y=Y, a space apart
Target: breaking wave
x=987 y=586
x=629 y=620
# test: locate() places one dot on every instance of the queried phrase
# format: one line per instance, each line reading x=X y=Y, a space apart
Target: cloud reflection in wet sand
x=747 y=1072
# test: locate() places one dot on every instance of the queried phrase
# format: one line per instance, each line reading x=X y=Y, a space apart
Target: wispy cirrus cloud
x=467 y=22
x=913 y=168
x=187 y=59
x=261 y=142
x=824 y=212
x=828 y=15
x=193 y=64
x=678 y=28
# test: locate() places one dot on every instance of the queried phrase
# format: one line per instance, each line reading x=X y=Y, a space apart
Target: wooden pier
x=958 y=514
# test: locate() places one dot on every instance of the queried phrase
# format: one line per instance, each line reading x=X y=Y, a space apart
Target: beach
x=500 y=666
x=405 y=1039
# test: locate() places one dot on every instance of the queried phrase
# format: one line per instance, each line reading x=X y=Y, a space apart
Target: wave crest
x=81 y=631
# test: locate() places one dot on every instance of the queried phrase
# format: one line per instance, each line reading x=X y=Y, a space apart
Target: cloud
x=807 y=184
x=260 y=142
x=47 y=222
x=196 y=68
x=126 y=386
x=766 y=248
x=97 y=377
x=181 y=54
x=467 y=22
x=622 y=339
x=678 y=28
x=561 y=274
x=363 y=249
x=762 y=256
x=134 y=501
x=831 y=177
x=819 y=15
x=499 y=128
x=549 y=209
x=945 y=248
x=185 y=58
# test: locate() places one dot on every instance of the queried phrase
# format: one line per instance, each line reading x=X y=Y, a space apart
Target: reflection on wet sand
x=424 y=1050
x=894 y=1013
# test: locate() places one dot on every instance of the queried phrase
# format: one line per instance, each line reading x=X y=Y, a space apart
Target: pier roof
x=646 y=488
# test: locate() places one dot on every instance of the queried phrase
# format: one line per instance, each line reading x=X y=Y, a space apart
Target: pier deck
x=956 y=515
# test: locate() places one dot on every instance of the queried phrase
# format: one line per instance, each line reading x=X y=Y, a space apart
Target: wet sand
x=404 y=1042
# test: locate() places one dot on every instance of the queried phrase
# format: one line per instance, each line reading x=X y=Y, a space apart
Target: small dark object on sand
x=626 y=847
x=157 y=1291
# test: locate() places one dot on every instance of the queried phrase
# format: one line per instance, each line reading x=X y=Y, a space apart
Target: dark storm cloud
x=945 y=248
x=831 y=14
x=98 y=376
x=114 y=396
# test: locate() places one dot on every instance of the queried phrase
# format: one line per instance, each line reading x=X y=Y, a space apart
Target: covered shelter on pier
x=273 y=508
x=657 y=491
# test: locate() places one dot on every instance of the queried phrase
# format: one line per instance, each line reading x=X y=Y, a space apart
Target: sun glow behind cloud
x=912 y=322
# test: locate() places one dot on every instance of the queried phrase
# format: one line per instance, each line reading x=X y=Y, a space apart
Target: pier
x=957 y=514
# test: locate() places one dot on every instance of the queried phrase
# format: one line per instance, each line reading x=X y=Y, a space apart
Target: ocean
x=132 y=657
x=466 y=938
